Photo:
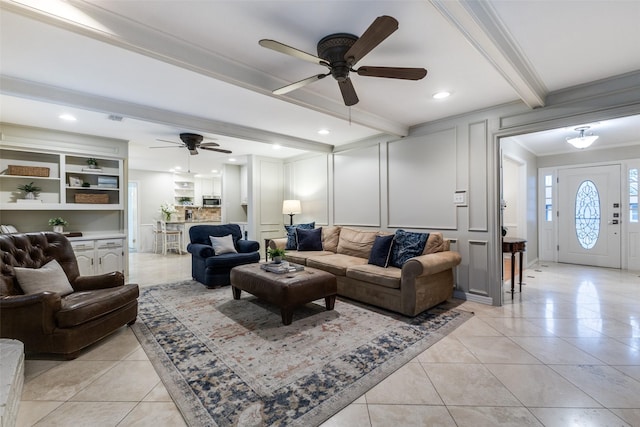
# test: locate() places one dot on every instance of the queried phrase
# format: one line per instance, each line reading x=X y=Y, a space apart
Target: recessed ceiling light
x=324 y=131
x=177 y=168
x=276 y=146
x=214 y=170
x=172 y=170
x=441 y=95
x=67 y=117
x=232 y=159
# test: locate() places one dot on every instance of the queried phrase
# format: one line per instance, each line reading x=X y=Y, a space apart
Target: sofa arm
x=279 y=243
x=247 y=246
x=424 y=265
x=101 y=281
x=29 y=314
x=200 y=250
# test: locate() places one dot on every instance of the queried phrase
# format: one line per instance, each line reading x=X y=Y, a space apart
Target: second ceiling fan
x=193 y=141
x=340 y=52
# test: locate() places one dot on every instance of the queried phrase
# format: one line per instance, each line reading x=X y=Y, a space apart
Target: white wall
x=154 y=189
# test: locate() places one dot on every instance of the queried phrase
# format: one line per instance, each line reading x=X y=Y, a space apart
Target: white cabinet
x=99 y=256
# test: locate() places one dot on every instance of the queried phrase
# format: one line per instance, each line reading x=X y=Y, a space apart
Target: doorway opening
x=132 y=216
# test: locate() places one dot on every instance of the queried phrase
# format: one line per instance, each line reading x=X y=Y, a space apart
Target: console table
x=514 y=245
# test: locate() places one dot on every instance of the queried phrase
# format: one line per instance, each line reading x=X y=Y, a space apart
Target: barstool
x=171 y=239
x=157 y=236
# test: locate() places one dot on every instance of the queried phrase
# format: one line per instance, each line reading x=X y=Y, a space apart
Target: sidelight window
x=587 y=214
x=633 y=195
x=548 y=199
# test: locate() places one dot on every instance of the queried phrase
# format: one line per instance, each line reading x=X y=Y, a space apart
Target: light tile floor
x=565 y=352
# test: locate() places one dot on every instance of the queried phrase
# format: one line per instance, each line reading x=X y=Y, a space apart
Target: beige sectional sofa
x=423 y=281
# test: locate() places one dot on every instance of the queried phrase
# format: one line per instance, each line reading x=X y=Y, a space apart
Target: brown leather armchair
x=47 y=322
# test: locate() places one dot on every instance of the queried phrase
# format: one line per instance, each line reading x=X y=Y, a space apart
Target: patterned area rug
x=229 y=362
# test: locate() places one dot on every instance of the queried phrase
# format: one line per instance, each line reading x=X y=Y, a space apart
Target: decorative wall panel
x=357 y=190
x=478 y=191
x=422 y=181
x=310 y=185
x=270 y=192
x=478 y=261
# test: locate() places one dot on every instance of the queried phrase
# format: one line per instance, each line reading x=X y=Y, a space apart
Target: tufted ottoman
x=287 y=290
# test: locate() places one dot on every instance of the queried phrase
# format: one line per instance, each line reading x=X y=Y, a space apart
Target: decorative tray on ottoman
x=281 y=269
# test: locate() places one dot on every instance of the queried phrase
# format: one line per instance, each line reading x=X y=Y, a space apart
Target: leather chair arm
x=247 y=246
x=33 y=312
x=200 y=250
x=101 y=281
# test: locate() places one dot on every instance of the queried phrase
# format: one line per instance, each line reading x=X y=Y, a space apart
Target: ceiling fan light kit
x=340 y=52
x=582 y=140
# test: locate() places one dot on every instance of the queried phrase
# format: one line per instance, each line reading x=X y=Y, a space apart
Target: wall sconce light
x=291 y=207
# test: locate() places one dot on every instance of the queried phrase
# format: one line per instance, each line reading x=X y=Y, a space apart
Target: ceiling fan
x=340 y=52
x=193 y=141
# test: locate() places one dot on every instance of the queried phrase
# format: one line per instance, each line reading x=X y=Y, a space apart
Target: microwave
x=211 y=201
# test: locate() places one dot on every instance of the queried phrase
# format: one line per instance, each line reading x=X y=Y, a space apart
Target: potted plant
x=276 y=254
x=167 y=210
x=30 y=190
x=58 y=224
x=93 y=163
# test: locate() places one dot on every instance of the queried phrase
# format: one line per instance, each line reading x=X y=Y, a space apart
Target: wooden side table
x=514 y=245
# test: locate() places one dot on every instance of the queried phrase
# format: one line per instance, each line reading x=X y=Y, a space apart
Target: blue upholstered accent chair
x=213 y=270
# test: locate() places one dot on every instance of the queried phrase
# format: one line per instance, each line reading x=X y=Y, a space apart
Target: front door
x=589 y=216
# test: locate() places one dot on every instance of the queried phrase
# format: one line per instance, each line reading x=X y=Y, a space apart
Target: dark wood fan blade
x=169 y=146
x=298 y=85
x=393 y=72
x=348 y=92
x=219 y=150
x=209 y=144
x=380 y=29
x=292 y=51
x=171 y=142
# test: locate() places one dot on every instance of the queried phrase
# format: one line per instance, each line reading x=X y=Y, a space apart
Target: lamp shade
x=582 y=141
x=291 y=207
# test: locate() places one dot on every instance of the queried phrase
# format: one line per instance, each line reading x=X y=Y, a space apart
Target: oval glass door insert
x=587 y=214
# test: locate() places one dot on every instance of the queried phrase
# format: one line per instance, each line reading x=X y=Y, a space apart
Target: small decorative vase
x=30 y=196
x=277 y=259
x=58 y=228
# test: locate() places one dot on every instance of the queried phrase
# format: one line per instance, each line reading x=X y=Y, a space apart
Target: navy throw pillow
x=309 y=240
x=291 y=233
x=381 y=251
x=407 y=245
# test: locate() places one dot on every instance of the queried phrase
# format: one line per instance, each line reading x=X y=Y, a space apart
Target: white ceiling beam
x=61 y=96
x=482 y=27
x=127 y=34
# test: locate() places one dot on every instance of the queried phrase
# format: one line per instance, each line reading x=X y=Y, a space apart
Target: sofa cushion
x=356 y=242
x=407 y=245
x=337 y=264
x=300 y=257
x=223 y=245
x=330 y=236
x=387 y=277
x=381 y=251
x=82 y=307
x=291 y=233
x=50 y=277
x=435 y=243
x=228 y=261
x=309 y=240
